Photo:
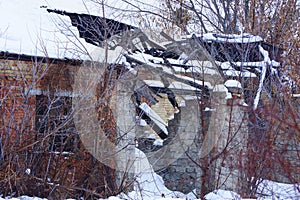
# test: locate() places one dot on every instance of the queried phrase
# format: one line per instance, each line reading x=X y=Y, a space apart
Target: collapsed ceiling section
x=190 y=67
x=234 y=55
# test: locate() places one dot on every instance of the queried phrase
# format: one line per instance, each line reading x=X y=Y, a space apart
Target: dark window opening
x=54 y=121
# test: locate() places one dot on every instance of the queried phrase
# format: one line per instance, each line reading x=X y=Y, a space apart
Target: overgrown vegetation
x=41 y=154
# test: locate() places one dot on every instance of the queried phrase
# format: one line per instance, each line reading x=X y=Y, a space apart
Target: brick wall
x=22 y=147
x=17 y=108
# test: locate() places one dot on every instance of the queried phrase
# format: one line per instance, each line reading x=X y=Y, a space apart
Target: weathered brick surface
x=21 y=147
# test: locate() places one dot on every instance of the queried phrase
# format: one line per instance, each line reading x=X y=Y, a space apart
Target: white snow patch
x=158 y=142
x=154 y=83
x=227 y=65
x=181 y=86
x=183 y=56
x=149 y=185
x=233 y=84
x=270 y=190
x=222 y=195
x=145 y=58
x=232 y=38
x=182 y=103
x=204 y=83
x=113 y=198
x=201 y=67
x=207 y=109
x=274 y=63
x=224 y=65
x=245 y=104
x=191 y=195
x=61 y=153
x=233 y=72
x=142 y=122
x=27 y=171
x=262 y=76
x=171 y=117
x=33 y=31
x=190 y=97
x=230 y=71
x=141 y=164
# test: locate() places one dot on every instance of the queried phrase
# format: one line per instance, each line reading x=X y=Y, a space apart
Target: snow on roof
x=181 y=86
x=296 y=95
x=231 y=38
x=236 y=73
x=190 y=97
x=32 y=30
x=200 y=82
x=29 y=29
x=147 y=59
x=35 y=32
x=198 y=68
x=227 y=65
x=154 y=83
x=233 y=83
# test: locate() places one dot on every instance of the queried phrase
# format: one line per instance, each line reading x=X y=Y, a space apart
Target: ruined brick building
x=184 y=103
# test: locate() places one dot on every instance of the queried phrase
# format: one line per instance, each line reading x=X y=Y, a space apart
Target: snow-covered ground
x=269 y=190
x=150 y=186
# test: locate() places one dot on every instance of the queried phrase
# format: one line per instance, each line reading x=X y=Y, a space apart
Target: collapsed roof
x=217 y=57
x=235 y=55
